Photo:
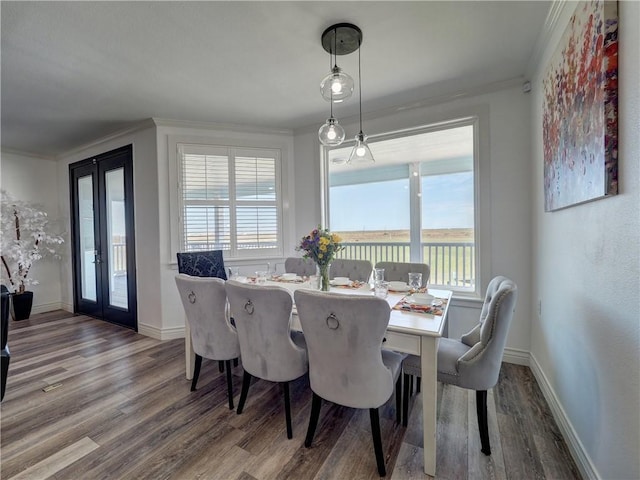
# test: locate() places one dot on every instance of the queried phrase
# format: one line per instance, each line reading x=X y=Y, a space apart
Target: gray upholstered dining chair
x=354 y=269
x=203 y=263
x=347 y=364
x=300 y=266
x=212 y=335
x=399 y=271
x=474 y=361
x=269 y=349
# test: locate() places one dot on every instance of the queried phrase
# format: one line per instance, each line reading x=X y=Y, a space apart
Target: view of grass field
x=449 y=252
x=440 y=235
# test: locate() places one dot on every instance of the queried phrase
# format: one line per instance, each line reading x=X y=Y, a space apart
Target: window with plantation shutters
x=230 y=200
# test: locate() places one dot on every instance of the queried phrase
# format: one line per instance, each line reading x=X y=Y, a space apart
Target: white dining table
x=408 y=332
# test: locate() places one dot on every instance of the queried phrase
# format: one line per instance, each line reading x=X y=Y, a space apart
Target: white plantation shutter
x=230 y=200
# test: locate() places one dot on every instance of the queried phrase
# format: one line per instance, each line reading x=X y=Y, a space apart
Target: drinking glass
x=234 y=272
x=381 y=289
x=378 y=275
x=261 y=277
x=415 y=281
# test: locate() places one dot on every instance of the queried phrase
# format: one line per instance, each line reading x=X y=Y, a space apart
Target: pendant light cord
x=331 y=69
x=360 y=84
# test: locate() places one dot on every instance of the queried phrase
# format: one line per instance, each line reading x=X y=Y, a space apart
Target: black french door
x=103 y=237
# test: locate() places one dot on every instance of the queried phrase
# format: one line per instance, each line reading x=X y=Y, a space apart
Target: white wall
x=586 y=344
x=35 y=180
x=171 y=306
x=145 y=177
x=505 y=217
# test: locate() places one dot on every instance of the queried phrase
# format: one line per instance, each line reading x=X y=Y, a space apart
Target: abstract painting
x=580 y=109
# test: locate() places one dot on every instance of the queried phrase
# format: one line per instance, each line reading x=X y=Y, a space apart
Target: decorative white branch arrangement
x=25 y=240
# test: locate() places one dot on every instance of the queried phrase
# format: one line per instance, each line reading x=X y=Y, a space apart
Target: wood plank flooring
x=124 y=410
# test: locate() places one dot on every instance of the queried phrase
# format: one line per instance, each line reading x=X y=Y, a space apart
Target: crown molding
x=429 y=101
x=166 y=122
x=544 y=37
x=135 y=127
x=36 y=156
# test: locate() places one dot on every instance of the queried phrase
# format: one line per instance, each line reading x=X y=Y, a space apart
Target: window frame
x=274 y=148
x=479 y=120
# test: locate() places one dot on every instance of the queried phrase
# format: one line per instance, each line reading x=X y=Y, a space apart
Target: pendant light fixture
x=339 y=39
x=331 y=134
x=361 y=152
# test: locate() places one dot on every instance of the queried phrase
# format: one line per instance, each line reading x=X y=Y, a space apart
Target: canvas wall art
x=580 y=109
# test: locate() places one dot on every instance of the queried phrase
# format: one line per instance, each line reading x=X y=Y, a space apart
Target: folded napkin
x=277 y=278
x=353 y=285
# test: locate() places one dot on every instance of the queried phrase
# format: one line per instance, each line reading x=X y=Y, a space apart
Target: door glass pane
x=87 y=238
x=116 y=238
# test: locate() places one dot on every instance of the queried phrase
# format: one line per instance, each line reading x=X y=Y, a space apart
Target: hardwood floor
x=121 y=408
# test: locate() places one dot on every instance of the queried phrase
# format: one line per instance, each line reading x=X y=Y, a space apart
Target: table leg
x=429 y=360
x=189 y=355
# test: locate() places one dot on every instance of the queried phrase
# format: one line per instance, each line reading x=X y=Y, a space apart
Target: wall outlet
x=539 y=308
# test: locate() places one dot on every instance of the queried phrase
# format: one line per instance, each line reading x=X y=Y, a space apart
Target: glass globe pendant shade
x=331 y=133
x=337 y=86
x=361 y=152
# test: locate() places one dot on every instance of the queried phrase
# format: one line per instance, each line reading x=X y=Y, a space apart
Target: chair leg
x=287 y=409
x=418 y=380
x=405 y=401
x=196 y=372
x=229 y=384
x=221 y=366
x=377 y=440
x=246 y=381
x=235 y=362
x=411 y=387
x=399 y=400
x=313 y=419
x=483 y=424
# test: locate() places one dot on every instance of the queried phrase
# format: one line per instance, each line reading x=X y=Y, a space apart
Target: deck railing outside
x=451 y=264
x=119 y=257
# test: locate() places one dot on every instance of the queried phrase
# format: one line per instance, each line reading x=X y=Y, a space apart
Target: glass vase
x=323 y=277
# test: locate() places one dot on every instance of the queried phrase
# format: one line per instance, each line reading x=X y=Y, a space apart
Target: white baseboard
x=579 y=454
x=517 y=356
x=160 y=333
x=46 y=307
x=50 y=307
x=67 y=307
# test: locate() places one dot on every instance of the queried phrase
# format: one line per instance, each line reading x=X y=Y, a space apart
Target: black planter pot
x=21 y=305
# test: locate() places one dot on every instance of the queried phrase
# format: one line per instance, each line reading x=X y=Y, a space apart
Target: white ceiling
x=76 y=71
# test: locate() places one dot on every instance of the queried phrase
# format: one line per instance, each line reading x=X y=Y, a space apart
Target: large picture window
x=416 y=203
x=230 y=200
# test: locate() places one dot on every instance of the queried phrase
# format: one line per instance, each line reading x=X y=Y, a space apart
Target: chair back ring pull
x=192 y=297
x=248 y=307
x=332 y=322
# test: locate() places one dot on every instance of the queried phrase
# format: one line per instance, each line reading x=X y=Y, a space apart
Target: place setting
x=421 y=302
x=289 y=278
x=346 y=282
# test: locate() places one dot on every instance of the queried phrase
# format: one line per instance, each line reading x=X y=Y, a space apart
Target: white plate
x=289 y=276
x=421 y=299
x=398 y=286
x=340 y=281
